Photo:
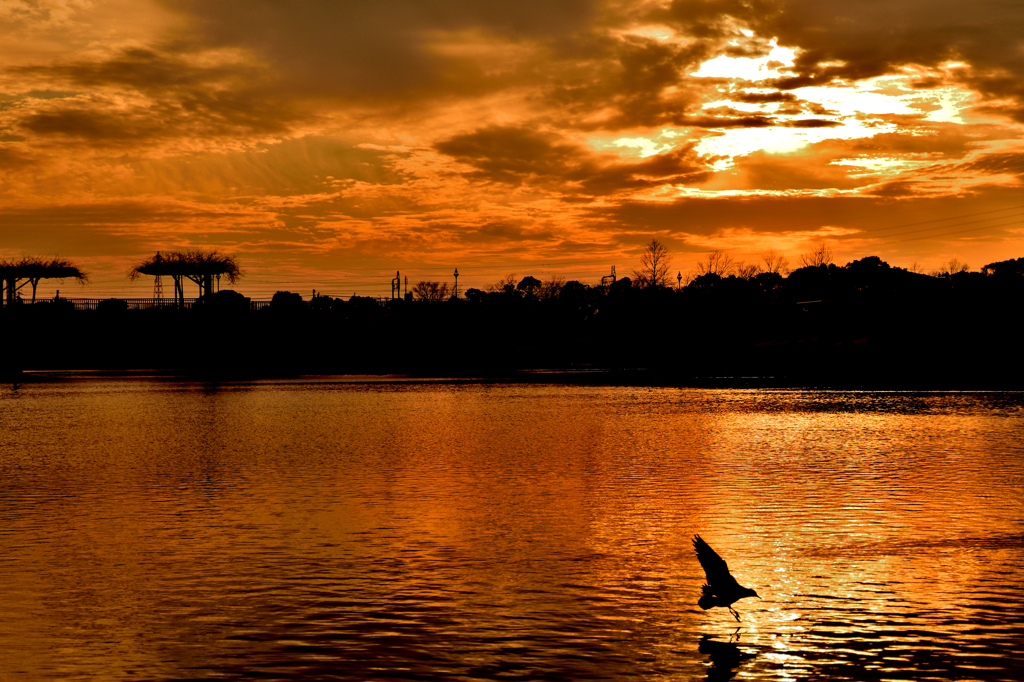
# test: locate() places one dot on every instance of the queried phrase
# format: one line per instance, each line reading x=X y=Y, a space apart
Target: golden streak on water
x=344 y=530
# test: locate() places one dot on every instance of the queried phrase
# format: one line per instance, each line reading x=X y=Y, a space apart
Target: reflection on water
x=153 y=530
x=725 y=656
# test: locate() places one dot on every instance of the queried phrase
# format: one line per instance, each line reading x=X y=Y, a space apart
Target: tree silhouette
x=529 y=285
x=747 y=270
x=506 y=285
x=287 y=302
x=1014 y=266
x=198 y=266
x=953 y=267
x=551 y=287
x=474 y=295
x=203 y=267
x=431 y=291
x=654 y=264
x=716 y=263
x=819 y=256
x=775 y=262
x=33 y=269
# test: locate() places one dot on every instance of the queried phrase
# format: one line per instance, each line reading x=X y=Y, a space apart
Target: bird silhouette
x=721 y=589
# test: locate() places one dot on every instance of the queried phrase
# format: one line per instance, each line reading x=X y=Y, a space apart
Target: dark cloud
x=846 y=40
x=778 y=214
x=305 y=165
x=818 y=109
x=11 y=158
x=255 y=107
x=183 y=99
x=754 y=121
x=714 y=18
x=515 y=155
x=492 y=232
x=765 y=97
x=900 y=188
x=943 y=141
x=779 y=172
x=12 y=101
x=99 y=127
x=367 y=49
x=398 y=51
x=927 y=83
x=641 y=81
x=678 y=167
x=97 y=229
x=1009 y=163
x=813 y=123
x=145 y=70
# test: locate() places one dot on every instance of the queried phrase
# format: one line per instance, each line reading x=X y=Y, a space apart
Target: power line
x=947 y=234
x=940 y=220
x=946 y=227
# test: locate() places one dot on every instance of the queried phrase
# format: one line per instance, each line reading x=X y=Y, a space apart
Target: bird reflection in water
x=725 y=657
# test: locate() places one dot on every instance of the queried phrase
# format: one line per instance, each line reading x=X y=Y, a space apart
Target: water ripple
x=330 y=530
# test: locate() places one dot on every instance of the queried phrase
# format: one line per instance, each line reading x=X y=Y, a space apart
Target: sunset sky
x=328 y=144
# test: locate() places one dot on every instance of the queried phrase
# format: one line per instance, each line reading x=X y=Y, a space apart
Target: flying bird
x=721 y=589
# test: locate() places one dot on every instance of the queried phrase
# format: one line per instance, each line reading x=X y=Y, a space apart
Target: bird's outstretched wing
x=715 y=569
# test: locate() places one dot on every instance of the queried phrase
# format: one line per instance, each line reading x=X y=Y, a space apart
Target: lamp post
x=456 y=282
x=679 y=278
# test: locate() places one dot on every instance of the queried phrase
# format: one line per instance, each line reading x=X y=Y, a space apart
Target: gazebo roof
x=188 y=264
x=36 y=268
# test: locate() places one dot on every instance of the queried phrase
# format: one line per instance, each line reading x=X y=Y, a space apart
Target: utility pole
x=608 y=279
x=158 y=287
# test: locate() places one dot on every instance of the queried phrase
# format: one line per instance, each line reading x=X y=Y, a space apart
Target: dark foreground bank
x=934 y=336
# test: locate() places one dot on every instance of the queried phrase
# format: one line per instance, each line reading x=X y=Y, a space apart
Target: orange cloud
x=340 y=137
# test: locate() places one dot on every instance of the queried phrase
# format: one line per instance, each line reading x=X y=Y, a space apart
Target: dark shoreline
x=862 y=327
x=568 y=377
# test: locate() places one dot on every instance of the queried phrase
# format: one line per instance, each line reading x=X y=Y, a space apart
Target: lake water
x=340 y=529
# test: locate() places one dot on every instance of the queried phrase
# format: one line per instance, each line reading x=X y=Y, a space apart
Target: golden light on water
x=305 y=527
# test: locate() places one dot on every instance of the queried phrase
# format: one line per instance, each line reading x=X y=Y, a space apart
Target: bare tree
x=654 y=263
x=717 y=262
x=775 y=262
x=745 y=271
x=505 y=284
x=953 y=267
x=818 y=257
x=551 y=287
x=431 y=291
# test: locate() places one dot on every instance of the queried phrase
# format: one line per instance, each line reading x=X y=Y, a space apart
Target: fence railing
x=124 y=303
x=139 y=303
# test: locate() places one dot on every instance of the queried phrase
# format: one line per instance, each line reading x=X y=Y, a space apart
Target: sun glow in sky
x=750 y=69
x=329 y=144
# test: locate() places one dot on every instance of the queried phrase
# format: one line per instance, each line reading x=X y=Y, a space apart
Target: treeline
x=865 y=323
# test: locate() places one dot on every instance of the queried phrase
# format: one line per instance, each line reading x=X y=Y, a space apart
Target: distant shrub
x=286 y=301
x=112 y=305
x=227 y=301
